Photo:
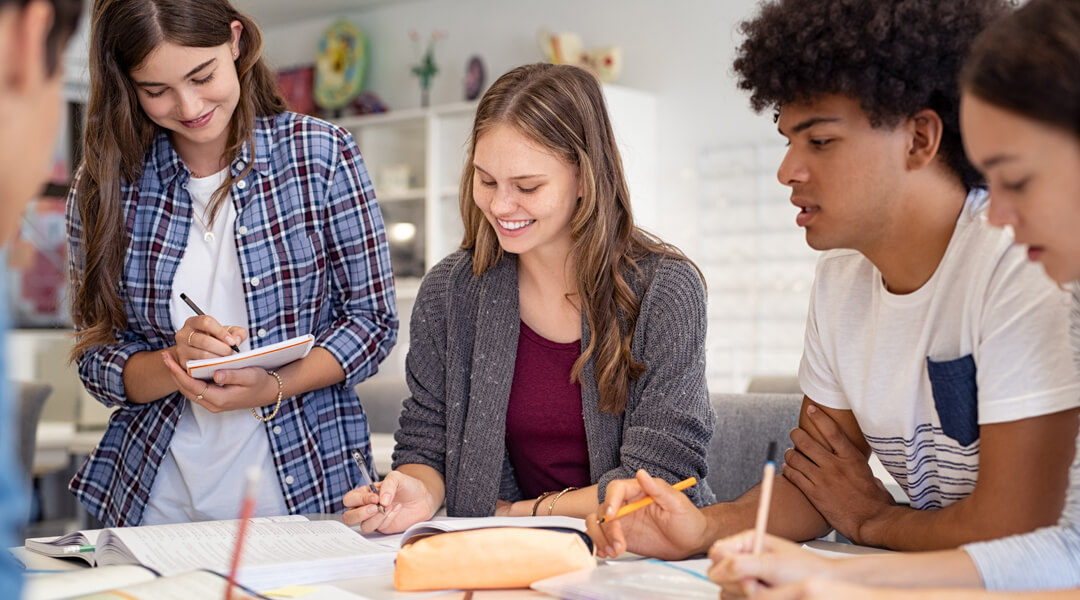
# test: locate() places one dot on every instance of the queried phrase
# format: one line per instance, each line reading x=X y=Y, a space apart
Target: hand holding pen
x=358 y=457
x=205 y=333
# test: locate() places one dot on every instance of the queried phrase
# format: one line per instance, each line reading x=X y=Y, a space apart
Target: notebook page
x=56 y=586
x=442 y=524
x=195 y=584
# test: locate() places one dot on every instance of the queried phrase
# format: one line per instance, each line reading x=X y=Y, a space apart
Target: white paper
x=634 y=580
x=55 y=586
x=195 y=584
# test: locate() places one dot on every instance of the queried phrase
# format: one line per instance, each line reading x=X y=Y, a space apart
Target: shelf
x=400 y=195
x=386 y=118
x=393 y=117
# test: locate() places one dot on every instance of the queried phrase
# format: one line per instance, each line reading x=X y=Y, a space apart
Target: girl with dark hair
x=196 y=179
x=561 y=347
x=1020 y=117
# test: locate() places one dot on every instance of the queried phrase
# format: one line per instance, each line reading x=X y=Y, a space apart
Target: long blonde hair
x=118 y=134
x=562 y=109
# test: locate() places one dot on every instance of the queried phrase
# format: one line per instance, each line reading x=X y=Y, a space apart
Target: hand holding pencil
x=667 y=525
x=642 y=503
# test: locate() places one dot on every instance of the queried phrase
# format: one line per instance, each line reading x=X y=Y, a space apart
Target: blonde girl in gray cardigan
x=551 y=255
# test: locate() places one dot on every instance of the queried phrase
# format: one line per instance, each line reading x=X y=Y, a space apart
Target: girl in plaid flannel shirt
x=196 y=179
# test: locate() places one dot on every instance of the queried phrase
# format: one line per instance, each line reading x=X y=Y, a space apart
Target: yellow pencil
x=629 y=508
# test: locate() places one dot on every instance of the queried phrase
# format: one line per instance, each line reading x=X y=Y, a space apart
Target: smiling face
x=1034 y=175
x=527 y=194
x=843 y=172
x=191 y=92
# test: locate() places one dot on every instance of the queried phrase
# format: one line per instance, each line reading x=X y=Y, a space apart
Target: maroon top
x=545 y=432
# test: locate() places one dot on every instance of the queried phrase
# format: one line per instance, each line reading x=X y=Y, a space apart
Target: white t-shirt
x=999 y=325
x=201 y=477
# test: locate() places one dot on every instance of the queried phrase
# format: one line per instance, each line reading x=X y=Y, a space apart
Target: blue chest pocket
x=956 y=397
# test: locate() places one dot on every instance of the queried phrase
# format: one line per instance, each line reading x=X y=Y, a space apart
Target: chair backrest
x=745 y=424
x=32 y=396
x=774 y=384
x=382 y=399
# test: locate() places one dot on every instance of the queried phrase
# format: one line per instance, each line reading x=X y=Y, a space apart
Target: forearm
x=950 y=568
x=432 y=481
x=791 y=515
x=315 y=371
x=575 y=503
x=905 y=529
x=971 y=594
x=146 y=378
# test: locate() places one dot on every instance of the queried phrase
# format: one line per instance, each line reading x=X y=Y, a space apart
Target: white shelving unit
x=415 y=157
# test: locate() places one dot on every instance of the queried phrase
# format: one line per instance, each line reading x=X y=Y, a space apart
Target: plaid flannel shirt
x=314 y=259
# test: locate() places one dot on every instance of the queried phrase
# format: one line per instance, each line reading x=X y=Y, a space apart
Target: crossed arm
x=1023 y=473
x=827 y=482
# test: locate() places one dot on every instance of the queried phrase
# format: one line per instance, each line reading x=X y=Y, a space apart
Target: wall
x=720 y=200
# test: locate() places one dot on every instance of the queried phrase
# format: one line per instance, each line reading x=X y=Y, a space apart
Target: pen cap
x=251 y=480
x=770 y=456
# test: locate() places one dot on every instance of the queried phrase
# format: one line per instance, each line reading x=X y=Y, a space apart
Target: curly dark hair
x=896 y=57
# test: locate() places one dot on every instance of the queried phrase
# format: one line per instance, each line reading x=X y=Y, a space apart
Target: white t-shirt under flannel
x=985 y=340
x=201 y=477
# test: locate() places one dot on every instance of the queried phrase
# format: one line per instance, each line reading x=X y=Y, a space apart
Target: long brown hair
x=118 y=134
x=562 y=109
x=1028 y=63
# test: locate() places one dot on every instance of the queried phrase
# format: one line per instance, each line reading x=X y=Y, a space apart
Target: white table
x=381 y=587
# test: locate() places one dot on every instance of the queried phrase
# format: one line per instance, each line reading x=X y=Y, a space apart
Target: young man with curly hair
x=931 y=339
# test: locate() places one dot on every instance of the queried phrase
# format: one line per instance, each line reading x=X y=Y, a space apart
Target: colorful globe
x=340 y=65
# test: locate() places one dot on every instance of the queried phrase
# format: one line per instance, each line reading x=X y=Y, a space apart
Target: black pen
x=358 y=456
x=199 y=312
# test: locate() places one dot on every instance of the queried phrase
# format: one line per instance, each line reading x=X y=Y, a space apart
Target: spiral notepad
x=266 y=357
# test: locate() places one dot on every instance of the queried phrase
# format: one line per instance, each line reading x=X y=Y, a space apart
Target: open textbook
x=277 y=550
x=155 y=560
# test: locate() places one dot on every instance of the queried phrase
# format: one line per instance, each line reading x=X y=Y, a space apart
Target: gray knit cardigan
x=462 y=348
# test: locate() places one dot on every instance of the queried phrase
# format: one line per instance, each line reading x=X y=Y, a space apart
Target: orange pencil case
x=490 y=558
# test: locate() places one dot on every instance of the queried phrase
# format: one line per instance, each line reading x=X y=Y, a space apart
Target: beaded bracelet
x=536 y=504
x=551 y=506
x=280 y=388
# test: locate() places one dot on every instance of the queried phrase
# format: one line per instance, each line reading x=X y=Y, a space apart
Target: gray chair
x=774 y=384
x=745 y=424
x=32 y=396
x=382 y=398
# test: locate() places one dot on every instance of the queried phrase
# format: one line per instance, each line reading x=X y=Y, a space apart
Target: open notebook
x=445 y=524
x=129 y=582
x=277 y=551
